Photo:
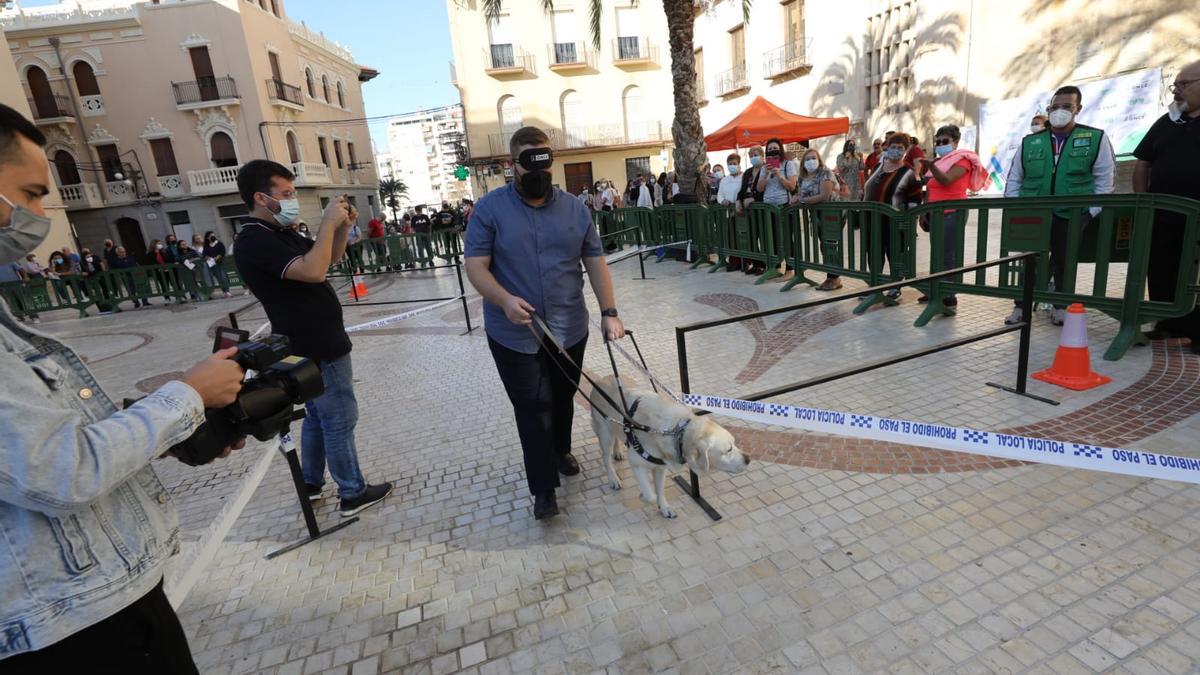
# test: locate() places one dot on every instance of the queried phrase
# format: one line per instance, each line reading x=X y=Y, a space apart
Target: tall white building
x=424 y=148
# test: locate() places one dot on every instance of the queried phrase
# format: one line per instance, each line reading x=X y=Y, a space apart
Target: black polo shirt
x=309 y=314
x=1172 y=148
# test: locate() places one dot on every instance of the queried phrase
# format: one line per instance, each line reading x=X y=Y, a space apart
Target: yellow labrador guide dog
x=678 y=437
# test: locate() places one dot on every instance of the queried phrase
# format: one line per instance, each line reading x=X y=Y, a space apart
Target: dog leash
x=627 y=423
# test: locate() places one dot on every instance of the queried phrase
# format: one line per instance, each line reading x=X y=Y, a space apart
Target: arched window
x=68 y=172
x=44 y=102
x=510 y=115
x=293 y=147
x=308 y=79
x=635 y=121
x=325 y=87
x=571 y=109
x=85 y=79
x=275 y=8
x=341 y=92
x=221 y=149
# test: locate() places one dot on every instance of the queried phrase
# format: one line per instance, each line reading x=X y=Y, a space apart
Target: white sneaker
x=1016 y=317
x=1058 y=316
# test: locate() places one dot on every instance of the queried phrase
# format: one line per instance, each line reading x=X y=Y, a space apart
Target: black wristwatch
x=611 y=311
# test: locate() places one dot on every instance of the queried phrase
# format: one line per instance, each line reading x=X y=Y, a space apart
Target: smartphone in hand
x=774 y=162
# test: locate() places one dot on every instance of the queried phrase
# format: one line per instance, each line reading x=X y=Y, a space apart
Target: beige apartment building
x=913 y=65
x=60 y=227
x=151 y=108
x=608 y=110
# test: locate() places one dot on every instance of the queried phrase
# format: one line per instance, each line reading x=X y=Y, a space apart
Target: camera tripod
x=287 y=447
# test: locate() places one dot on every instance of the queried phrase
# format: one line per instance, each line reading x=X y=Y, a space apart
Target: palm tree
x=686 y=130
x=390 y=191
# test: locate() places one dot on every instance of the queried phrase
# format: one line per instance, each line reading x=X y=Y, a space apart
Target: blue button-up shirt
x=536 y=254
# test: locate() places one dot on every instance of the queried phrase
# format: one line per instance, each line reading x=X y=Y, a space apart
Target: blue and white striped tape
x=395 y=318
x=1036 y=449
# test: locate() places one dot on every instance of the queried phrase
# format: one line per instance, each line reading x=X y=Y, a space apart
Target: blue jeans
x=327 y=434
x=218 y=272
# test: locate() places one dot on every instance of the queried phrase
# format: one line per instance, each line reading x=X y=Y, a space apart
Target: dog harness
x=632 y=441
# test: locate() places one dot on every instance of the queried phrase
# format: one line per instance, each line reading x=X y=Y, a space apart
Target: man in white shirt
x=727 y=190
x=607 y=196
x=645 y=194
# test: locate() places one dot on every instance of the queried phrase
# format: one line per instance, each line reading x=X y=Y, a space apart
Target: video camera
x=265 y=407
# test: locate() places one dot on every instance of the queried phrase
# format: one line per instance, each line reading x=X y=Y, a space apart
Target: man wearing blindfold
x=525 y=243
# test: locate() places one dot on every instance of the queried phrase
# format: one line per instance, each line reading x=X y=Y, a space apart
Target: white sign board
x=1124 y=107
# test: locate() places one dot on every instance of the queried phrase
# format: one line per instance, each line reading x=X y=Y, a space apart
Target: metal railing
x=600 y=135
x=787 y=58
x=282 y=91
x=731 y=81
x=205 y=89
x=632 y=49
x=54 y=105
x=569 y=54
x=507 y=57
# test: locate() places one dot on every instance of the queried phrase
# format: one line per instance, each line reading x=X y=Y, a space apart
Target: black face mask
x=773 y=153
x=534 y=184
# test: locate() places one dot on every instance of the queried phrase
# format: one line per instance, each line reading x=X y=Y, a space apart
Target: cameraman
x=87 y=525
x=286 y=272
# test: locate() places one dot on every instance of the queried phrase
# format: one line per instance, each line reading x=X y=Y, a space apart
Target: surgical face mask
x=535 y=184
x=289 y=211
x=942 y=150
x=894 y=154
x=719 y=173
x=1175 y=111
x=755 y=160
x=811 y=165
x=734 y=169
x=160 y=247
x=26 y=231
x=1036 y=128
x=1060 y=118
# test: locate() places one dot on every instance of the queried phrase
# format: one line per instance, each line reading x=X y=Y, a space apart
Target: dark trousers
x=1166 y=245
x=543 y=401
x=144 y=638
x=1058 y=254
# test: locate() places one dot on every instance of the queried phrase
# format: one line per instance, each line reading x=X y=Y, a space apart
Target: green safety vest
x=1071 y=175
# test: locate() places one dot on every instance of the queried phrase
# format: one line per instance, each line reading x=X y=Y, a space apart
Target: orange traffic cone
x=1072 y=366
x=360 y=288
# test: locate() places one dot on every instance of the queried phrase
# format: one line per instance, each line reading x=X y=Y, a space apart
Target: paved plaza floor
x=834 y=554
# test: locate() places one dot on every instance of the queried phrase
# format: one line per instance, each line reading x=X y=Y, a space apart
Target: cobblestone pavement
x=834 y=555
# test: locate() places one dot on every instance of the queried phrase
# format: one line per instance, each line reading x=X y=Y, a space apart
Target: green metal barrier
x=1121 y=233
x=680 y=222
x=752 y=235
x=850 y=239
x=401 y=250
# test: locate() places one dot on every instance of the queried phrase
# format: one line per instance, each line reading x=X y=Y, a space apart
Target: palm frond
x=746 y=10
x=491 y=9
x=596 y=14
x=547 y=6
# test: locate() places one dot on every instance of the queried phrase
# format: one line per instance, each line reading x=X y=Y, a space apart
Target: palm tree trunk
x=690 y=150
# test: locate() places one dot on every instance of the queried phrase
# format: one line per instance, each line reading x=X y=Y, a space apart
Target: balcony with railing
x=284 y=95
x=221 y=180
x=732 y=82
x=51 y=109
x=81 y=196
x=565 y=56
x=171 y=186
x=507 y=59
x=119 y=192
x=205 y=92
x=309 y=174
x=787 y=59
x=633 y=51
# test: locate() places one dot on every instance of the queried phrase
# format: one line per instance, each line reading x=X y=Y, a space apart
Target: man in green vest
x=1068 y=158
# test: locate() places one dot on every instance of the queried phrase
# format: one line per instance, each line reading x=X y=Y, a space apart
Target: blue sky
x=410 y=49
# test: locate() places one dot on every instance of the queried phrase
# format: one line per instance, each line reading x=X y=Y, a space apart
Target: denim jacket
x=85 y=524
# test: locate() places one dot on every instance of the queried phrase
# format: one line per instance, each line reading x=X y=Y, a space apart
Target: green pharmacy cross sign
x=461 y=173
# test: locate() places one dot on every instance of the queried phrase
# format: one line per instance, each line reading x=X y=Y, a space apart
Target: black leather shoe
x=567 y=465
x=545 y=505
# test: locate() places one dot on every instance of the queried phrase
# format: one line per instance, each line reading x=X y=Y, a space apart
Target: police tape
x=622 y=255
x=389 y=320
x=956 y=439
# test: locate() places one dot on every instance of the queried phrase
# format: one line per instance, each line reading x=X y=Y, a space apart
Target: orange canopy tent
x=762 y=120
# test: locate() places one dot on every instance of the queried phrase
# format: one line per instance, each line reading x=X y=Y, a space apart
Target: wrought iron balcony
x=632 y=51
x=506 y=58
x=282 y=92
x=787 y=59
x=50 y=107
x=732 y=81
x=569 y=55
x=205 y=91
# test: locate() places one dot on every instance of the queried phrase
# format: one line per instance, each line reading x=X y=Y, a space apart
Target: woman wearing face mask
x=777 y=181
x=895 y=184
x=214 y=251
x=202 y=273
x=714 y=183
x=817 y=185
x=61 y=272
x=1039 y=123
x=35 y=274
x=949 y=177
x=850 y=167
x=158 y=255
